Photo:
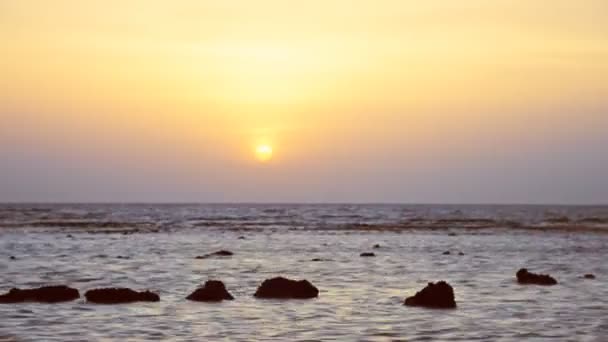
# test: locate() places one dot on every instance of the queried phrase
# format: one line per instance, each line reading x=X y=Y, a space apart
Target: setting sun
x=263 y=153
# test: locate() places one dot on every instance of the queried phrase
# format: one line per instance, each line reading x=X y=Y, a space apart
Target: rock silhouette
x=376 y=246
x=367 y=255
x=212 y=291
x=589 y=276
x=447 y=253
x=435 y=295
x=283 y=288
x=46 y=294
x=222 y=253
x=119 y=296
x=525 y=277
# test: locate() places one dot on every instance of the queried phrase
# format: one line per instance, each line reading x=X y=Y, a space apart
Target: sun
x=263 y=152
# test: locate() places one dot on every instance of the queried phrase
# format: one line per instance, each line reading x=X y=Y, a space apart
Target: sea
x=154 y=247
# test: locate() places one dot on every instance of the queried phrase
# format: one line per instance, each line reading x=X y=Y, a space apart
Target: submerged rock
x=525 y=277
x=222 y=253
x=367 y=255
x=46 y=294
x=435 y=295
x=119 y=296
x=589 y=276
x=212 y=291
x=283 y=288
x=376 y=246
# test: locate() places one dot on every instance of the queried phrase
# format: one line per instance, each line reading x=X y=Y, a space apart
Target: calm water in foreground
x=154 y=247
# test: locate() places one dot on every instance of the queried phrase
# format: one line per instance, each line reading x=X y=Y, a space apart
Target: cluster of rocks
x=211 y=291
x=438 y=295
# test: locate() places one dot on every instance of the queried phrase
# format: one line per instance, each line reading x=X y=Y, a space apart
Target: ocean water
x=154 y=247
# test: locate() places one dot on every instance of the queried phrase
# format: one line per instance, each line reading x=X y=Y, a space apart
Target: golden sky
x=330 y=85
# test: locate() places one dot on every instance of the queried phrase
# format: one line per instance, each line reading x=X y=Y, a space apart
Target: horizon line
x=297 y=203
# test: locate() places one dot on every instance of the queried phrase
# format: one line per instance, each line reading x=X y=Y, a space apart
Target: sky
x=469 y=101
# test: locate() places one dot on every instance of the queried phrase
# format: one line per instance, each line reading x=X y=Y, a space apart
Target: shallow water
x=360 y=299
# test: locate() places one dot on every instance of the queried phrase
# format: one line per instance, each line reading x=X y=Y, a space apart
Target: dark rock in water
x=241 y=238
x=452 y=234
x=212 y=291
x=447 y=253
x=367 y=255
x=119 y=296
x=70 y=236
x=283 y=288
x=460 y=253
x=436 y=295
x=123 y=257
x=47 y=294
x=222 y=253
x=376 y=246
x=589 y=276
x=320 y=259
x=525 y=277
x=12 y=257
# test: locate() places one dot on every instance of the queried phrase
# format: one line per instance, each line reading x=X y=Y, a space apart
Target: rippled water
x=360 y=299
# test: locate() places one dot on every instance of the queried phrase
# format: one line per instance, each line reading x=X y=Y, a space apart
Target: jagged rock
x=283 y=288
x=525 y=277
x=212 y=291
x=119 y=296
x=46 y=294
x=367 y=255
x=222 y=253
x=589 y=276
x=435 y=295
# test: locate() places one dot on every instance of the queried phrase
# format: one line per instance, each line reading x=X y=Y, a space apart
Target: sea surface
x=361 y=299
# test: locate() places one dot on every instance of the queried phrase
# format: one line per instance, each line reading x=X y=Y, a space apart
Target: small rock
x=46 y=294
x=241 y=238
x=461 y=253
x=212 y=291
x=435 y=295
x=376 y=246
x=119 y=296
x=70 y=236
x=367 y=255
x=222 y=253
x=452 y=234
x=447 y=253
x=589 y=276
x=283 y=288
x=525 y=277
x=12 y=257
